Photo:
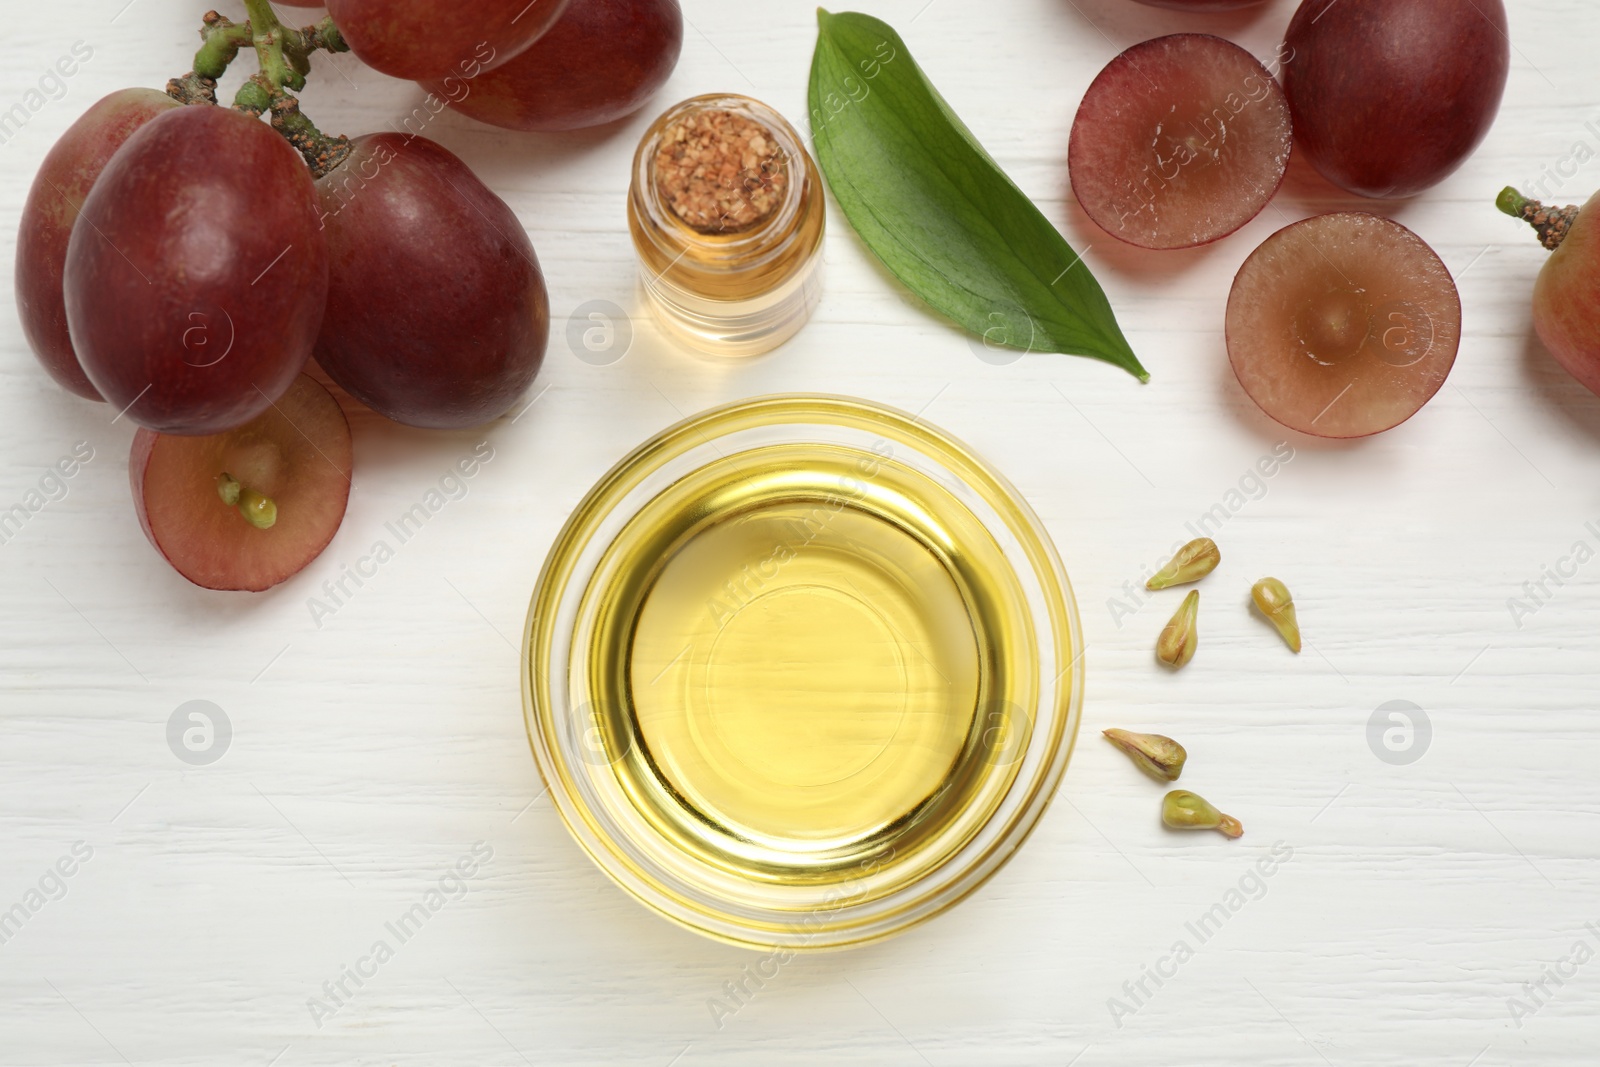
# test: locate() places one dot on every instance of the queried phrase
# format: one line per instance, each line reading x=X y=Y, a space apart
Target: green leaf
x=937 y=209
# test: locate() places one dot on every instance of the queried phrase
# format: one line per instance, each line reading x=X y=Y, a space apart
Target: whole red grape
x=64 y=180
x=1566 y=296
x=1201 y=5
x=1390 y=96
x=196 y=273
x=558 y=84
x=421 y=40
x=437 y=313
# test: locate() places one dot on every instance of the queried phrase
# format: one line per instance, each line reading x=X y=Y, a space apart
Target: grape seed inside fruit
x=1343 y=325
x=1180 y=140
x=297 y=454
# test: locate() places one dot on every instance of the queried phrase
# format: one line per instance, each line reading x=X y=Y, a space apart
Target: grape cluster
x=183 y=259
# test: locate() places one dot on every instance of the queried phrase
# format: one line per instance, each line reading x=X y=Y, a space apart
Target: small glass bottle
x=726 y=211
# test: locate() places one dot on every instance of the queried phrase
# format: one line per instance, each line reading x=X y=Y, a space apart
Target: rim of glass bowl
x=794 y=916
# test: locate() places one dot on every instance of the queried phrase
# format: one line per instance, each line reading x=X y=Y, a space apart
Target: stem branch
x=268 y=38
x=284 y=56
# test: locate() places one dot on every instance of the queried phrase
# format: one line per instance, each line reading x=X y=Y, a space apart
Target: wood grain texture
x=372 y=751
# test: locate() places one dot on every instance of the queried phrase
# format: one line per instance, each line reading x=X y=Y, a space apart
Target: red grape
x=558 y=84
x=1179 y=141
x=1343 y=325
x=437 y=313
x=296 y=454
x=422 y=40
x=1566 y=296
x=59 y=189
x=196 y=273
x=1201 y=5
x=1390 y=96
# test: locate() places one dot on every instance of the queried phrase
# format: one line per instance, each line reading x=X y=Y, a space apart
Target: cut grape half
x=1343 y=325
x=296 y=455
x=1180 y=140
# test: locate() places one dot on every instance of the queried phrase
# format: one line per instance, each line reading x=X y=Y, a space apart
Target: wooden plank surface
x=373 y=747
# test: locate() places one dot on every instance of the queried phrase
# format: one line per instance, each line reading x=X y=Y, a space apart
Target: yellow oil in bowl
x=801 y=671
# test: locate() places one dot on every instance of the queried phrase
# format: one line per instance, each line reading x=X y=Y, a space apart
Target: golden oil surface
x=796 y=684
x=818 y=691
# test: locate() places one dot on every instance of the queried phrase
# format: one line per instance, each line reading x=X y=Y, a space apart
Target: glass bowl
x=802 y=672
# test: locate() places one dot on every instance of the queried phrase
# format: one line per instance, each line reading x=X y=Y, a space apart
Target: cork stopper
x=719 y=172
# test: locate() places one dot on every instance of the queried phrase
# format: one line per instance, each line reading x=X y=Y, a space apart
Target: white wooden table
x=1408 y=904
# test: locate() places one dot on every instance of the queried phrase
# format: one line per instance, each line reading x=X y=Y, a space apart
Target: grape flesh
x=196 y=274
x=1179 y=141
x=423 y=40
x=1390 y=96
x=437 y=312
x=63 y=182
x=558 y=84
x=1343 y=325
x=297 y=453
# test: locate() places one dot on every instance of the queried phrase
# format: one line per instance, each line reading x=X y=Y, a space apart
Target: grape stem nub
x=1550 y=223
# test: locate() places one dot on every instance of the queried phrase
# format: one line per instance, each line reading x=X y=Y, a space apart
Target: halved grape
x=65 y=177
x=1343 y=325
x=558 y=84
x=1180 y=140
x=296 y=455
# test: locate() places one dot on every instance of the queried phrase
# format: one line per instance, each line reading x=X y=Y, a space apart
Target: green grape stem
x=284 y=57
x=271 y=38
x=321 y=152
x=1551 y=223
